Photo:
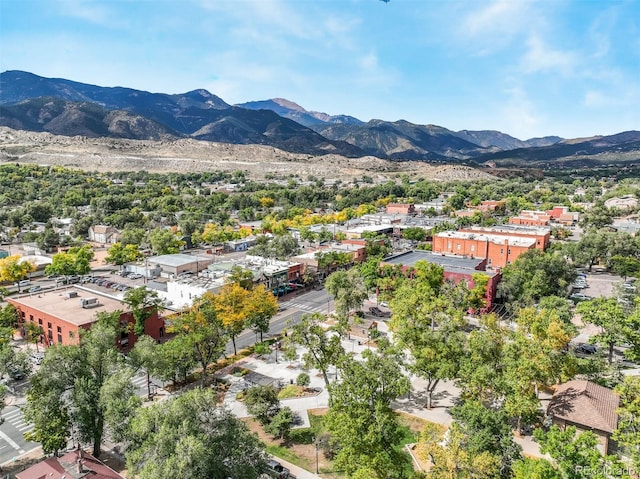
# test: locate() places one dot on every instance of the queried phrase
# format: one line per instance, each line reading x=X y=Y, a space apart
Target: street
x=315 y=301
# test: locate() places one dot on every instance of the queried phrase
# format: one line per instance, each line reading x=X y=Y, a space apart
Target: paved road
x=12 y=442
x=316 y=301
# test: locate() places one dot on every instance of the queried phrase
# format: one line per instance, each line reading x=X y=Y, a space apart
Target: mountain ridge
x=31 y=102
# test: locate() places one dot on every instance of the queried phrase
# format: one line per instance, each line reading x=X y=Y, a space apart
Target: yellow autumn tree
x=231 y=305
x=12 y=269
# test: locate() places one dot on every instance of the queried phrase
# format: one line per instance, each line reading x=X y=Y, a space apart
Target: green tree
x=144 y=303
x=164 y=242
x=348 y=290
x=528 y=468
x=79 y=387
x=323 y=348
x=262 y=305
x=202 y=330
x=574 y=454
x=76 y=261
x=487 y=430
x=627 y=433
x=360 y=418
x=280 y=424
x=534 y=275
x=262 y=402
x=612 y=319
x=414 y=233
x=190 y=436
x=120 y=254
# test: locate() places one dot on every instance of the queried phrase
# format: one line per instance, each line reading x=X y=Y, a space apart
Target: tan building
x=587 y=406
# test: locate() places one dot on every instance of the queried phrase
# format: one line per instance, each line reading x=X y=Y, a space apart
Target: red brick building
x=541 y=234
x=455 y=269
x=498 y=250
x=62 y=313
x=531 y=218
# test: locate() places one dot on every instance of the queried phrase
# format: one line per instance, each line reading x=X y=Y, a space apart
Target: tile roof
x=587 y=404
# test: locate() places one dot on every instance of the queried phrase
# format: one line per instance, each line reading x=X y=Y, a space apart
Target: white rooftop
x=496 y=239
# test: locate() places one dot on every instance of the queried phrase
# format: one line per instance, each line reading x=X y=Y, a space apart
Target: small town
x=335 y=328
x=337 y=239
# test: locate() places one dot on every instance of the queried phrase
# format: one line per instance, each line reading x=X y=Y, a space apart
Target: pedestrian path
x=15 y=417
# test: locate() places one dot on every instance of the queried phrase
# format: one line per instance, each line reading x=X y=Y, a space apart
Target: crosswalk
x=305 y=307
x=15 y=417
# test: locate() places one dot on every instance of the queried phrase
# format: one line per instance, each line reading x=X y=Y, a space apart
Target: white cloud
x=540 y=57
x=92 y=12
x=505 y=16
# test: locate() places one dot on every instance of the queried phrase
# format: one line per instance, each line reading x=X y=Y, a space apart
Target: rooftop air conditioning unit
x=71 y=294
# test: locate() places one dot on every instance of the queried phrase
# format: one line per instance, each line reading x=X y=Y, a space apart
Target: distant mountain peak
x=288 y=104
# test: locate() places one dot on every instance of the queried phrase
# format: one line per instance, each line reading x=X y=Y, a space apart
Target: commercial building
x=498 y=250
x=61 y=314
x=456 y=269
x=541 y=234
x=531 y=218
x=171 y=265
x=401 y=208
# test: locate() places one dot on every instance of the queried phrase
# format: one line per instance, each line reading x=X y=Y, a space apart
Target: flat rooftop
x=448 y=262
x=177 y=259
x=491 y=238
x=56 y=303
x=509 y=228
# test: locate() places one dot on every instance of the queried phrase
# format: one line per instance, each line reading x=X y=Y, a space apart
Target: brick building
x=541 y=234
x=63 y=312
x=498 y=250
x=455 y=269
x=531 y=218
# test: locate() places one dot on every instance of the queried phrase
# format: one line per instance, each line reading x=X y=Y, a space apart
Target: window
x=60 y=338
x=49 y=325
x=448 y=244
x=40 y=321
x=458 y=246
x=31 y=318
x=489 y=262
x=509 y=251
x=50 y=335
x=59 y=329
x=473 y=247
x=501 y=250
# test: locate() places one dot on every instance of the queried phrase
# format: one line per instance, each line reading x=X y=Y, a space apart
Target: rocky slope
x=185 y=155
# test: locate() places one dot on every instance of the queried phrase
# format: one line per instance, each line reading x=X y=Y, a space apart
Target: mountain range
x=65 y=107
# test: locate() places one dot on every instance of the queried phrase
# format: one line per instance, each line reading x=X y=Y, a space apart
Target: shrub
x=262 y=348
x=303 y=379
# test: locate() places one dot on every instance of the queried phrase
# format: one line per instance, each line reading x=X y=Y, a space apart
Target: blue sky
x=527 y=68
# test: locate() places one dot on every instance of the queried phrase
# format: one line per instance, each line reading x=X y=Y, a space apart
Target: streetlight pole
x=315 y=441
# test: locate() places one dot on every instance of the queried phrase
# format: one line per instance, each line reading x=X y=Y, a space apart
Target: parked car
x=34 y=289
x=377 y=311
x=37 y=358
x=586 y=348
x=580 y=285
x=575 y=297
x=15 y=373
x=277 y=470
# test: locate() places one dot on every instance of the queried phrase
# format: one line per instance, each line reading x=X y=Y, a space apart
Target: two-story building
x=62 y=313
